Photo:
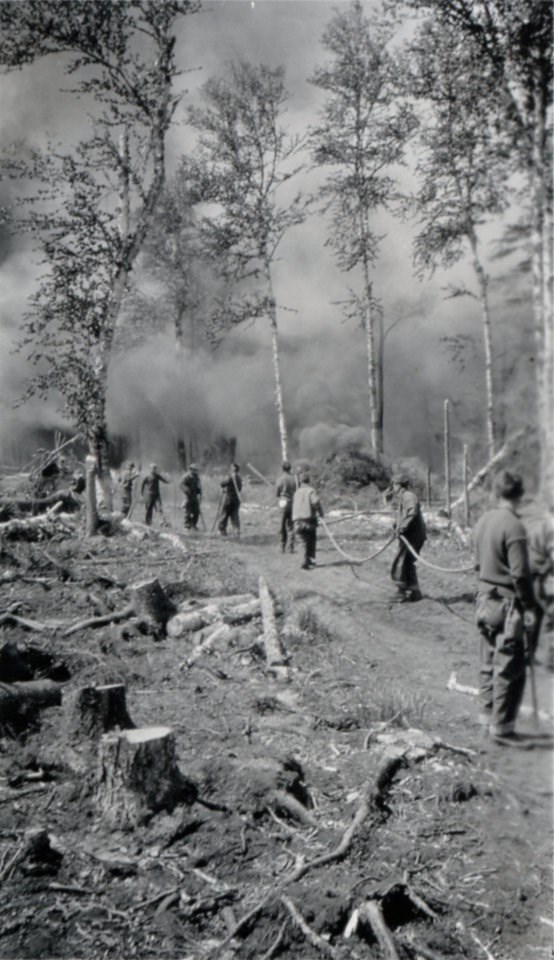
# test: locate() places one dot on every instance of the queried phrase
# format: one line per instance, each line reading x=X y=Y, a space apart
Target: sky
x=324 y=364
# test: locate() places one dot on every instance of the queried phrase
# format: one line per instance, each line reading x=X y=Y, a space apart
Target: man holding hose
x=410 y=525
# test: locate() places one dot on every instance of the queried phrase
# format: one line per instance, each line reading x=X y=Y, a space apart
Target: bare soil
x=452 y=848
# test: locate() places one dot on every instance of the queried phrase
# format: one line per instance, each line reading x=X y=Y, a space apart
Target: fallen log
x=274 y=653
x=219 y=631
x=21 y=700
x=116 y=616
x=242 y=612
x=137 y=776
x=33 y=528
x=183 y=623
x=197 y=604
x=37 y=505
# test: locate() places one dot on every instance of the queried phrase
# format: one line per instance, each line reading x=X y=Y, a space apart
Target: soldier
x=285 y=490
x=127 y=483
x=230 y=507
x=505 y=607
x=192 y=489
x=150 y=490
x=409 y=523
x=306 y=508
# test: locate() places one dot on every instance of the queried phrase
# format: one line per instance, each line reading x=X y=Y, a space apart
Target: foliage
x=91 y=207
x=353 y=469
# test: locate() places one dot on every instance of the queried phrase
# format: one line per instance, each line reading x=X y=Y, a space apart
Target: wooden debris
x=220 y=631
x=242 y=612
x=311 y=936
x=372 y=912
x=68 y=502
x=115 y=616
x=92 y=518
x=137 y=776
x=34 y=528
x=274 y=653
x=183 y=623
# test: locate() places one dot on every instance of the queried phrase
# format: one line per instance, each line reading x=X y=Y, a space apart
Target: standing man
x=306 y=508
x=150 y=490
x=285 y=490
x=127 y=483
x=409 y=523
x=505 y=608
x=539 y=527
x=192 y=489
x=230 y=507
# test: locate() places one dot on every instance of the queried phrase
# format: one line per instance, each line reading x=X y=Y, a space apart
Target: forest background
x=161 y=391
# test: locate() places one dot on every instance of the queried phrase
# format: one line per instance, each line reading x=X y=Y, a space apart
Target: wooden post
x=447 y=458
x=466 y=481
x=428 y=486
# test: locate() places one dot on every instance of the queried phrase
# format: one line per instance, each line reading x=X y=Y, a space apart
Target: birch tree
x=514 y=40
x=361 y=138
x=463 y=168
x=93 y=202
x=243 y=160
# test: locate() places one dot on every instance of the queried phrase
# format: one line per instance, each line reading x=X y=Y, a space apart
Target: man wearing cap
x=410 y=525
x=504 y=608
x=230 y=508
x=192 y=489
x=150 y=490
x=306 y=508
x=285 y=490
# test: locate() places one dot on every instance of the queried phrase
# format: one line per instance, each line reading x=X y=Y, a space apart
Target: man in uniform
x=409 y=523
x=505 y=607
x=306 y=508
x=285 y=490
x=192 y=489
x=150 y=490
x=230 y=507
x=127 y=483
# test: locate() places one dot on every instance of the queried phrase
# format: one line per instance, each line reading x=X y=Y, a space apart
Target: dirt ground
x=298 y=832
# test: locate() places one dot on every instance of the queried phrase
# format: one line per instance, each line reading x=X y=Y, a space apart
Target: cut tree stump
x=151 y=603
x=98 y=710
x=274 y=653
x=137 y=776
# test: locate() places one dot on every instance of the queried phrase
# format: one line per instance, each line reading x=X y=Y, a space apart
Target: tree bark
x=137 y=776
x=151 y=603
x=483 y=282
x=90 y=497
x=274 y=653
x=97 y=710
x=277 y=370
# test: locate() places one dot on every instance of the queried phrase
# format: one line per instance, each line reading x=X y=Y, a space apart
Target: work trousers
x=192 y=512
x=229 y=513
x=307 y=531
x=150 y=506
x=404 y=571
x=502 y=664
x=286 y=530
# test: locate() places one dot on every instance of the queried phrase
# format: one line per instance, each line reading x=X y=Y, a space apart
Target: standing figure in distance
x=150 y=490
x=285 y=490
x=504 y=608
x=306 y=508
x=127 y=483
x=230 y=507
x=192 y=489
x=409 y=523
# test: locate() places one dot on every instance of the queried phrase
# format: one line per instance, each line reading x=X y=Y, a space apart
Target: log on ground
x=274 y=652
x=21 y=701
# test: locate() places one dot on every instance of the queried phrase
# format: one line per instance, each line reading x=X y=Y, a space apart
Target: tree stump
x=152 y=604
x=92 y=519
x=137 y=776
x=97 y=710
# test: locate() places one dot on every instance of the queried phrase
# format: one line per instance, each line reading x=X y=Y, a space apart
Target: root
x=311 y=935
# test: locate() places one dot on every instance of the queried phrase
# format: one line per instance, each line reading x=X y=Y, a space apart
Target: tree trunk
x=137 y=776
x=483 y=282
x=381 y=379
x=277 y=369
x=376 y=433
x=90 y=497
x=274 y=654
